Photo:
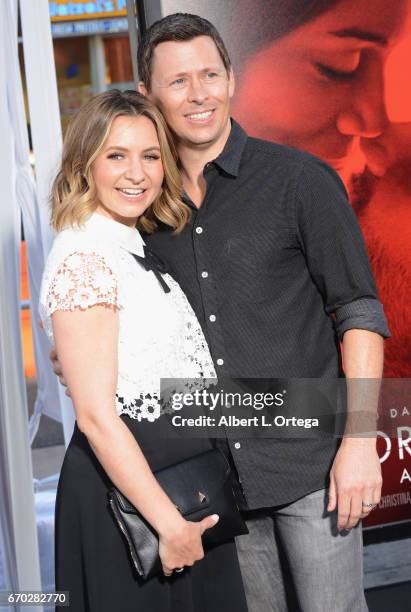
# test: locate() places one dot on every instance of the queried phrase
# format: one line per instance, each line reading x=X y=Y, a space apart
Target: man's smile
x=200 y=116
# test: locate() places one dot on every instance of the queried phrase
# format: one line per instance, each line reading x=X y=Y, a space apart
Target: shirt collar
x=128 y=238
x=230 y=158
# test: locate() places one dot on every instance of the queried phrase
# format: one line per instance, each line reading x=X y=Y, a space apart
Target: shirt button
x=237 y=445
x=204 y=274
x=199 y=230
x=212 y=318
x=220 y=361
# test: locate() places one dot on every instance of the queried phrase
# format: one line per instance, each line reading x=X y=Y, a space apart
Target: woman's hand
x=181 y=545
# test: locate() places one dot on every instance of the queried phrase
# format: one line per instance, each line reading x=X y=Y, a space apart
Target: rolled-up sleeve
x=366 y=313
x=335 y=251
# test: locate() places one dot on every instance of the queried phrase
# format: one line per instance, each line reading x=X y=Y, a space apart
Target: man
x=271 y=252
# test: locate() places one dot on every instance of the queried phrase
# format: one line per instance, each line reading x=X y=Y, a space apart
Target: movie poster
x=331 y=77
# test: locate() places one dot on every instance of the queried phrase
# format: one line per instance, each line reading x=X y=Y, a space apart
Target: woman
x=118 y=328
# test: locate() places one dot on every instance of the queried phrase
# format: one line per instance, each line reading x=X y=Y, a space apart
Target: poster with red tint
x=331 y=77
x=395 y=504
x=331 y=80
x=394 y=449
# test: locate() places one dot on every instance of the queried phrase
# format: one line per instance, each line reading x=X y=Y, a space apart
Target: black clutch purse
x=199 y=486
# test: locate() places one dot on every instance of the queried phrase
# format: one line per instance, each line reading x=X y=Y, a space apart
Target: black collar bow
x=152 y=263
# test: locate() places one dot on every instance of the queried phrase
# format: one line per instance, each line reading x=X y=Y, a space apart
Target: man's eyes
x=177 y=81
x=182 y=80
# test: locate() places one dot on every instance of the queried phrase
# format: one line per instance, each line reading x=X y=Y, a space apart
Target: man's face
x=321 y=87
x=190 y=85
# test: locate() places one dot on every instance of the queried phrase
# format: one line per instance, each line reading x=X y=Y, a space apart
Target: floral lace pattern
x=83 y=280
x=145 y=406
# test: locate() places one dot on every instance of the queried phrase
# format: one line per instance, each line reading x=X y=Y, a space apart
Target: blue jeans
x=294 y=559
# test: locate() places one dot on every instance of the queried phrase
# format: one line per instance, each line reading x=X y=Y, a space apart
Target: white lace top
x=159 y=335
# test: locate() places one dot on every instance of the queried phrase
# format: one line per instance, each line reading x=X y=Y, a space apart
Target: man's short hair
x=177 y=27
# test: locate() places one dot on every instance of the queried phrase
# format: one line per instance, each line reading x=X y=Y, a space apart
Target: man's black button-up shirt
x=274 y=265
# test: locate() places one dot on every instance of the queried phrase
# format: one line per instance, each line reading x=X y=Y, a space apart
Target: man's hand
x=355 y=478
x=355 y=481
x=57 y=369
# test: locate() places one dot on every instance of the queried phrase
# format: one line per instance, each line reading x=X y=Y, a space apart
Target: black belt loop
x=152 y=263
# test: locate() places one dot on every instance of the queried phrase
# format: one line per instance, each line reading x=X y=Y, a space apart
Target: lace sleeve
x=81 y=281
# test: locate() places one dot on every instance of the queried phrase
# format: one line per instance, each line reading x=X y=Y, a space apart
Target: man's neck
x=193 y=159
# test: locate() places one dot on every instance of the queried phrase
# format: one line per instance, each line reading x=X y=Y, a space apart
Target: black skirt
x=91 y=557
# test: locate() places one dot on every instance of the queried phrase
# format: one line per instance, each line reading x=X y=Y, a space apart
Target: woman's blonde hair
x=73 y=196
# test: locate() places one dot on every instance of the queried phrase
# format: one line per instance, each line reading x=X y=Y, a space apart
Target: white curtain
x=46 y=136
x=17 y=515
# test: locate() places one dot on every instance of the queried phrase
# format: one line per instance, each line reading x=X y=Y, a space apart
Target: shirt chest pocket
x=255 y=269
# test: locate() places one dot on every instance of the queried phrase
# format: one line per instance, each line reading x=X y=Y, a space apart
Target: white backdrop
x=24 y=200
x=47 y=141
x=17 y=516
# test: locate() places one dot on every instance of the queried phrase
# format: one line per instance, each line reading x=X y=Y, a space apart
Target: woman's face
x=128 y=172
x=321 y=87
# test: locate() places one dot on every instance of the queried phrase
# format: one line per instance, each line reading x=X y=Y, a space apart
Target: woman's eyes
x=147 y=156
x=334 y=73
